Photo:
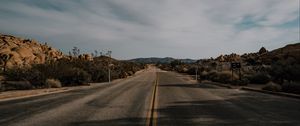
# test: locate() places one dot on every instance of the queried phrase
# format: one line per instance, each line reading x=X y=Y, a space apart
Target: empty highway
x=153 y=97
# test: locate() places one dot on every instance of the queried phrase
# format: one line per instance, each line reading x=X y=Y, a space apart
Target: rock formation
x=23 y=52
x=262 y=50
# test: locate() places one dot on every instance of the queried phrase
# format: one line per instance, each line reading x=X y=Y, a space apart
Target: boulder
x=25 y=52
x=262 y=50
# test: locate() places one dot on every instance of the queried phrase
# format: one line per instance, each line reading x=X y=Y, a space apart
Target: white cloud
x=142 y=28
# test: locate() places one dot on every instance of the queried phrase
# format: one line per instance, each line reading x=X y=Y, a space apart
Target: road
x=182 y=102
x=177 y=100
x=120 y=103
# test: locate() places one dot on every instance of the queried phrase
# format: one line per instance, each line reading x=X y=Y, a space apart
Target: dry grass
x=53 y=83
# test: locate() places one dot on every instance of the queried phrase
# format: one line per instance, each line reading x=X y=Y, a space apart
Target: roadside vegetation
x=67 y=72
x=29 y=64
x=73 y=70
x=278 y=70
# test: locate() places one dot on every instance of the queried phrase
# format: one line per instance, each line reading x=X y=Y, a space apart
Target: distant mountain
x=160 y=60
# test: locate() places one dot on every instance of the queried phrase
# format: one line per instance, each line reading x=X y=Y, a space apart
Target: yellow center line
x=152 y=114
x=156 y=102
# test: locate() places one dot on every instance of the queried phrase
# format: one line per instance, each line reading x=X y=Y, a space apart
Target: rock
x=25 y=52
x=262 y=50
x=221 y=58
x=86 y=57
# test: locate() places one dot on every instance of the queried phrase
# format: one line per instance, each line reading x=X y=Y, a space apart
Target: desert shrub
x=34 y=76
x=72 y=72
x=16 y=85
x=259 y=78
x=192 y=70
x=74 y=76
x=99 y=75
x=16 y=74
x=271 y=86
x=176 y=63
x=53 y=83
x=242 y=82
x=222 y=77
x=211 y=73
x=293 y=87
x=285 y=69
x=97 y=71
x=204 y=75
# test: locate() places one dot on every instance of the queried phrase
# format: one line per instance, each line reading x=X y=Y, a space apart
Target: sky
x=154 y=28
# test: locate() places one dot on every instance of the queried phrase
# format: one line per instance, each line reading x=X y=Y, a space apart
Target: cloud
x=140 y=28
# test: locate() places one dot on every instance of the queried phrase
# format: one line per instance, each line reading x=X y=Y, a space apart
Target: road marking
x=155 y=115
x=152 y=114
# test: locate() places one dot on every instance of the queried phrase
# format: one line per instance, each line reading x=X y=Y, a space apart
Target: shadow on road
x=201 y=85
x=238 y=111
x=113 y=122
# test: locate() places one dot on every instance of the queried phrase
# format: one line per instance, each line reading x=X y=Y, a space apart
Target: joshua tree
x=76 y=51
x=95 y=53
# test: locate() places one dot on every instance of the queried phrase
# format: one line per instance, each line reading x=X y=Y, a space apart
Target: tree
x=175 y=63
x=76 y=51
x=95 y=53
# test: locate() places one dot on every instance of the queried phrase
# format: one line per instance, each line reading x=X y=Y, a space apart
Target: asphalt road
x=120 y=103
x=182 y=102
x=178 y=101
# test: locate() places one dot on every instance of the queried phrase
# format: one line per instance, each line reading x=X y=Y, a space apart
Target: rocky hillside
x=291 y=50
x=21 y=52
x=40 y=63
x=263 y=56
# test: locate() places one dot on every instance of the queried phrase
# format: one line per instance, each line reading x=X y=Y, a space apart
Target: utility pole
x=109 y=64
x=197 y=73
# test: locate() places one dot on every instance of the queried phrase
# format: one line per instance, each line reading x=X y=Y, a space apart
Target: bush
x=53 y=83
x=259 y=78
x=242 y=82
x=271 y=86
x=204 y=75
x=285 y=69
x=71 y=72
x=16 y=85
x=192 y=71
x=74 y=76
x=293 y=87
x=222 y=77
x=34 y=76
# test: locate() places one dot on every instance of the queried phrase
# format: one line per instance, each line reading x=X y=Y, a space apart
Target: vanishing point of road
x=153 y=97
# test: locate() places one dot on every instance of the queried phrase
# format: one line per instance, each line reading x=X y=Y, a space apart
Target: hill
x=291 y=50
x=154 y=60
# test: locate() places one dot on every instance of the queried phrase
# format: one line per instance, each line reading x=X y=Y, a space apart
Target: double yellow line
x=152 y=114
